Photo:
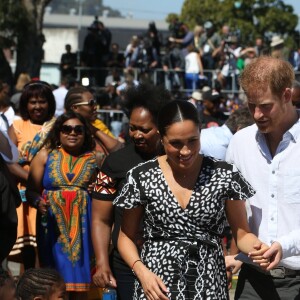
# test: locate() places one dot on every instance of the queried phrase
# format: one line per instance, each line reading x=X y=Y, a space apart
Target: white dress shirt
x=60 y=95
x=10 y=115
x=13 y=148
x=214 y=141
x=274 y=211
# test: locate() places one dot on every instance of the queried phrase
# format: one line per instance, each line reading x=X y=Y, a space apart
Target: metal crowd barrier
x=114 y=119
x=157 y=76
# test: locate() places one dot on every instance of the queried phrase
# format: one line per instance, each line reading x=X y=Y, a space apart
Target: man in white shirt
x=8 y=149
x=215 y=140
x=268 y=155
x=60 y=95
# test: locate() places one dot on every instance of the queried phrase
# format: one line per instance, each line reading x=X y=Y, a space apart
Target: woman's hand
x=258 y=255
x=232 y=267
x=90 y=187
x=229 y=278
x=104 y=277
x=153 y=286
x=43 y=205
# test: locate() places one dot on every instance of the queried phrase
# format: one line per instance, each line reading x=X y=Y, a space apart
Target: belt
x=277 y=273
x=282 y=272
x=190 y=241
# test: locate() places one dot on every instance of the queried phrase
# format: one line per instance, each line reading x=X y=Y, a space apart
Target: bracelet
x=134 y=264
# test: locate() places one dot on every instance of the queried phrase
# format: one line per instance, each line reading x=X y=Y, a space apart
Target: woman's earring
x=58 y=145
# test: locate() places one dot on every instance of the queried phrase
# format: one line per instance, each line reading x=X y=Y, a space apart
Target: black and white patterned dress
x=183 y=246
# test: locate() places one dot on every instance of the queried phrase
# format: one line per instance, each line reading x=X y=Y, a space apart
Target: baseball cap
x=211 y=96
x=197 y=96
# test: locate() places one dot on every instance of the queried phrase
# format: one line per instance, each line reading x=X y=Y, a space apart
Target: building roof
x=61 y=20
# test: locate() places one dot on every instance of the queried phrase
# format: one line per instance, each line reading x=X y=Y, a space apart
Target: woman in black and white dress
x=184 y=199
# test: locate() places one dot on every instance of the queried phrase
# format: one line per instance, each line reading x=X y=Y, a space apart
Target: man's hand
x=104 y=277
x=232 y=264
x=274 y=254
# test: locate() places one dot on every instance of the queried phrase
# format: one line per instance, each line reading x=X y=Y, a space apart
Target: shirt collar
x=295 y=129
x=291 y=135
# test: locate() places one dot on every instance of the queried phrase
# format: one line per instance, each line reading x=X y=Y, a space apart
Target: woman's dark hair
x=74 y=96
x=147 y=96
x=177 y=111
x=37 y=89
x=54 y=134
x=38 y=282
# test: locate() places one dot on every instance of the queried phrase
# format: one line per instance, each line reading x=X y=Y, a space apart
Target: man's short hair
x=239 y=119
x=267 y=72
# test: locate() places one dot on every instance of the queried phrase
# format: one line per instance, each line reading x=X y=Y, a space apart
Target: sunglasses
x=91 y=103
x=68 y=129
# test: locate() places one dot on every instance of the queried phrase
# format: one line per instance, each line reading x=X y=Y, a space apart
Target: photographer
x=147 y=56
x=229 y=70
x=210 y=42
x=174 y=29
x=186 y=38
x=173 y=65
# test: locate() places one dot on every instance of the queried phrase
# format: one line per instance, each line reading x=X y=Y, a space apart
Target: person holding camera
x=210 y=42
x=229 y=70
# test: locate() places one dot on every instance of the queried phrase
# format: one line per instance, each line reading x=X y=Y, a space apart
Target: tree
x=21 y=25
x=249 y=17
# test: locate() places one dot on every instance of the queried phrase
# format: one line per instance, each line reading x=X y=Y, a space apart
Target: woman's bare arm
x=153 y=286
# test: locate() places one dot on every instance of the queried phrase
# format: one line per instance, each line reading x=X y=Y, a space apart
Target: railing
x=113 y=119
x=159 y=76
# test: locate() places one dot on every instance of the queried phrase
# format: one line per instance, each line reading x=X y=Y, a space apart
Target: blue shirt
x=214 y=141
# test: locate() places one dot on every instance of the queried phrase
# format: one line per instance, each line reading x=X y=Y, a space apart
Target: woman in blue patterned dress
x=58 y=188
x=184 y=199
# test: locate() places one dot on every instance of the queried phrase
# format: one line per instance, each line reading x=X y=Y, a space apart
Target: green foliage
x=14 y=19
x=171 y=18
x=251 y=17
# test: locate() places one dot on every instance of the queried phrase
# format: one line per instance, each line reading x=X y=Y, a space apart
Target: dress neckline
x=192 y=191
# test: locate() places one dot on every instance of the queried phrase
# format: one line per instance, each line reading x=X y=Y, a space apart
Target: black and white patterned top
x=183 y=246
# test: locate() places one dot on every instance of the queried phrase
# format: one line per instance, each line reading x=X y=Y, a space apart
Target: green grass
x=234 y=281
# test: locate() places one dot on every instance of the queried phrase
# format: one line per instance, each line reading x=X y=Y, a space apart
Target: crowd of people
x=146 y=211
x=184 y=61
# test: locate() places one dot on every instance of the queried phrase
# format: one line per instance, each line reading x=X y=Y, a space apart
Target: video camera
x=233 y=37
x=174 y=28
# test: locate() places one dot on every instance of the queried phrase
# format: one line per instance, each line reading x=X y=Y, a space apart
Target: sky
x=159 y=9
